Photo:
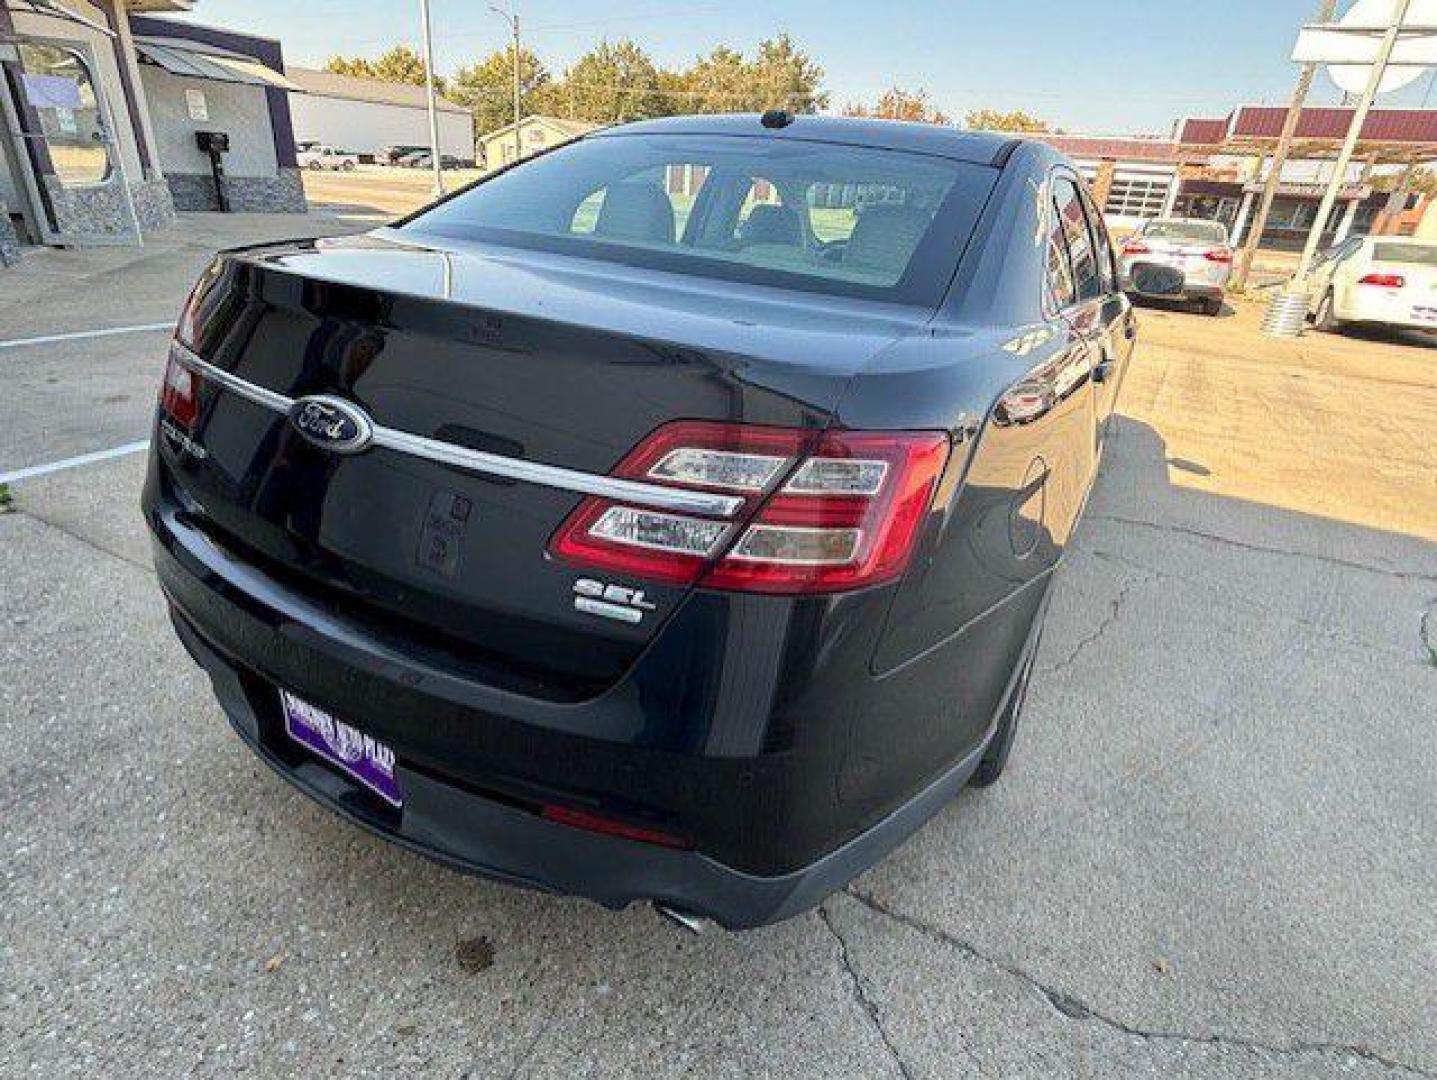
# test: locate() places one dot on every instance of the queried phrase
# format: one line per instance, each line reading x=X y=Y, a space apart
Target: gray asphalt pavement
x=1213 y=854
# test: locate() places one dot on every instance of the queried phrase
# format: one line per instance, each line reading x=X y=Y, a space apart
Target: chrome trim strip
x=487 y=464
x=248 y=390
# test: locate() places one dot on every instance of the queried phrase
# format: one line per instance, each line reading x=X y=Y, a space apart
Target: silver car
x=1197 y=247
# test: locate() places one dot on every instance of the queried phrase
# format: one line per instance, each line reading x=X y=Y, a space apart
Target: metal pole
x=518 y=144
x=433 y=98
x=1279 y=160
x=1349 y=145
x=112 y=138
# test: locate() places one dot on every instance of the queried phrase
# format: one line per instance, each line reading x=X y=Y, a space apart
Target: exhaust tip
x=694 y=924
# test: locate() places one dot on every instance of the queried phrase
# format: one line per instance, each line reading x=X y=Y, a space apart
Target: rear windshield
x=820 y=217
x=1415 y=254
x=1204 y=232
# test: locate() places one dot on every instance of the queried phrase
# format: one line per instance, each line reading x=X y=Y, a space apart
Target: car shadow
x=1391 y=335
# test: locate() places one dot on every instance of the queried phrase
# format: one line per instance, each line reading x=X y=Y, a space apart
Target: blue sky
x=1123 y=66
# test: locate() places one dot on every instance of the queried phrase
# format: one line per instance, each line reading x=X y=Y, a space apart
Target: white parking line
x=70 y=463
x=81 y=335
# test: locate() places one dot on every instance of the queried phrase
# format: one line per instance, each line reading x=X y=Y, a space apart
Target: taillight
x=819 y=511
x=1218 y=255
x=1384 y=281
x=1136 y=247
x=180 y=392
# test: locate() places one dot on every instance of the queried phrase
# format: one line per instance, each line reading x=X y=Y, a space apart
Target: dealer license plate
x=357 y=755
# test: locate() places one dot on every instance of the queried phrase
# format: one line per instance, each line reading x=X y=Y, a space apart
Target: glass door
x=61 y=135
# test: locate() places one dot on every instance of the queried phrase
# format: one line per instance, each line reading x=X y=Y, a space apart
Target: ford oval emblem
x=332 y=423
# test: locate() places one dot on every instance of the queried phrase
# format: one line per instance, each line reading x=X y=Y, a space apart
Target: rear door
x=1088 y=312
x=1118 y=324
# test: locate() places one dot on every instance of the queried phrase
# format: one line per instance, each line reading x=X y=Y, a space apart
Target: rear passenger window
x=1082 y=252
x=1102 y=246
x=1060 y=269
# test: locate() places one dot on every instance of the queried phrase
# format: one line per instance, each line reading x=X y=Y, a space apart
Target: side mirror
x=1157 y=280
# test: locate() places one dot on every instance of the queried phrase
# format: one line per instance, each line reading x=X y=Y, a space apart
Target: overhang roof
x=1388 y=135
x=196 y=60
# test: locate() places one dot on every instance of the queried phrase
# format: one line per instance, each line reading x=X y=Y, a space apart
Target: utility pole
x=433 y=99
x=513 y=21
x=1349 y=145
x=1279 y=160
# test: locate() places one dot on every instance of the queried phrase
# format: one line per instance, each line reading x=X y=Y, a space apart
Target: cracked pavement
x=1212 y=856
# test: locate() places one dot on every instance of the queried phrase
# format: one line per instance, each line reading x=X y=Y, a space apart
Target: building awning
x=197 y=61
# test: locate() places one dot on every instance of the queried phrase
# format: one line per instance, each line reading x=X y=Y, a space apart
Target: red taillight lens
x=820 y=512
x=180 y=393
x=1218 y=255
x=1384 y=281
x=582 y=819
x=1136 y=247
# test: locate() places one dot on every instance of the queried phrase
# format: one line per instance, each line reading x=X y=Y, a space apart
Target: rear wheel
x=1212 y=306
x=995 y=758
x=1324 y=319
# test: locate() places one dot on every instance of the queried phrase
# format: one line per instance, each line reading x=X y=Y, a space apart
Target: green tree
x=487 y=88
x=786 y=77
x=350 y=65
x=898 y=104
x=613 y=82
x=992 y=120
x=722 y=81
x=400 y=64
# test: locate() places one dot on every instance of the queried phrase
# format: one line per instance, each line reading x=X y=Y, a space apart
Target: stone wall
x=281 y=194
x=9 y=242
x=100 y=212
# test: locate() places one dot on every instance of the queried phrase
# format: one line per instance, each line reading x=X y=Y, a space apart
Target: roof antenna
x=776 y=118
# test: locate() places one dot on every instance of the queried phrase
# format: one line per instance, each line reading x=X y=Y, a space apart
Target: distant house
x=535 y=133
x=364 y=116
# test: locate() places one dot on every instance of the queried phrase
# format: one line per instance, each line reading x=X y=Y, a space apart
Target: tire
x=314 y=166
x=1323 y=318
x=1212 y=306
x=995 y=758
x=347 y=166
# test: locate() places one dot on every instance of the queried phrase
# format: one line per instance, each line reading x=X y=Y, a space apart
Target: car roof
x=976 y=147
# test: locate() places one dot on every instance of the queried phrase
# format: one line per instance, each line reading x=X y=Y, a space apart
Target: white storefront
x=364 y=116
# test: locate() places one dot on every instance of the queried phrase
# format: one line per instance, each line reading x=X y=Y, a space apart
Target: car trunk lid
x=528 y=358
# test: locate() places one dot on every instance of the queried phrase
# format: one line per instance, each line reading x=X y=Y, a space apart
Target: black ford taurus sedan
x=670 y=516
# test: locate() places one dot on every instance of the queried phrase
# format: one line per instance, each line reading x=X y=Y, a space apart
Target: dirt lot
x=1213 y=854
x=1338 y=426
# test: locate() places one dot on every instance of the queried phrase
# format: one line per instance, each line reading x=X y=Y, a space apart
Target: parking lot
x=1212 y=855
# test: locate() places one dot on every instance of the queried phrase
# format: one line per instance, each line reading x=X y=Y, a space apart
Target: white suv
x=319 y=156
x=1388 y=280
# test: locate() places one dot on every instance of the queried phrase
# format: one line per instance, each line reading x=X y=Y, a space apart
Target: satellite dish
x=1352 y=78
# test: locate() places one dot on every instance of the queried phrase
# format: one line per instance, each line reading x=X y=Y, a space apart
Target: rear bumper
x=489 y=838
x=752 y=730
x=1383 y=310
x=1209 y=287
